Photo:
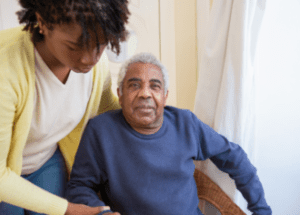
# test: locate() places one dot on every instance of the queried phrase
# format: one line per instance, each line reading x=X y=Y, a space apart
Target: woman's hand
x=80 y=209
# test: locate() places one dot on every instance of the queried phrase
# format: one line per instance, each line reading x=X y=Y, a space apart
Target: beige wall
x=186 y=52
x=179 y=49
x=178 y=45
x=167 y=45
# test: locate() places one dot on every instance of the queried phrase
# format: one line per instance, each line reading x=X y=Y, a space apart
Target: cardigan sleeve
x=13 y=188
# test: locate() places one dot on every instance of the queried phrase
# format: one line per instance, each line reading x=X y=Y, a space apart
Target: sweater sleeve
x=13 y=188
x=232 y=159
x=87 y=174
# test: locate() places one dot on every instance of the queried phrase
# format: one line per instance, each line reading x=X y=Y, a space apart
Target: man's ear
x=118 y=92
x=166 y=96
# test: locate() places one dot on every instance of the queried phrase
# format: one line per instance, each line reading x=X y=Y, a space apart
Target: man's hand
x=79 y=209
x=110 y=213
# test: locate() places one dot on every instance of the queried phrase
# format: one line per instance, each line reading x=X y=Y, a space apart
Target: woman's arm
x=14 y=128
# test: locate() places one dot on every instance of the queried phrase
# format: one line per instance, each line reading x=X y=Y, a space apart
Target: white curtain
x=8 y=17
x=227 y=36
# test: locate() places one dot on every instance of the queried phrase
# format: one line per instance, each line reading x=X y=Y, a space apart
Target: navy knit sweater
x=140 y=174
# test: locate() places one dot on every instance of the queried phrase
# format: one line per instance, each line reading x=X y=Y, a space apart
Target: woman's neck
x=59 y=70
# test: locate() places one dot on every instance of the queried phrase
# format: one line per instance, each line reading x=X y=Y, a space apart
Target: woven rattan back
x=211 y=192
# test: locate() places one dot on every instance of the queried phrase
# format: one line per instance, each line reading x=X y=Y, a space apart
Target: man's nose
x=145 y=92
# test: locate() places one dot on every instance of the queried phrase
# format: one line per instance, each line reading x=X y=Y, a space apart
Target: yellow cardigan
x=17 y=87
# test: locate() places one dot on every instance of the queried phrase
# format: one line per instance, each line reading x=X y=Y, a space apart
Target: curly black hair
x=111 y=15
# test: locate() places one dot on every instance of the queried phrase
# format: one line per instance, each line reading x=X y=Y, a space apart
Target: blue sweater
x=140 y=174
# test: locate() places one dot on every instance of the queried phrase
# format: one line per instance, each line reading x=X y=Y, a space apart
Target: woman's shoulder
x=16 y=58
x=13 y=36
x=14 y=42
x=16 y=51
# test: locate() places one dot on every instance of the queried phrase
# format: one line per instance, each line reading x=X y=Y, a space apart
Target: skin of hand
x=80 y=209
x=109 y=213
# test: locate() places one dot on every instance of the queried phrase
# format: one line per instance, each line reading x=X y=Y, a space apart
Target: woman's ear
x=41 y=23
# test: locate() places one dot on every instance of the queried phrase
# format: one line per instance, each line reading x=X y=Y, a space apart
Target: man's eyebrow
x=138 y=79
x=134 y=79
x=155 y=80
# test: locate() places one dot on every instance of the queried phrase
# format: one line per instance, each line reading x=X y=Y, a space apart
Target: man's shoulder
x=180 y=117
x=110 y=117
x=171 y=111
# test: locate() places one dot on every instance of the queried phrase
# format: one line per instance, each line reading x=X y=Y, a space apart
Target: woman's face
x=65 y=47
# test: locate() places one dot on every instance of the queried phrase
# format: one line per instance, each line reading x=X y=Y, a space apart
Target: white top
x=58 y=108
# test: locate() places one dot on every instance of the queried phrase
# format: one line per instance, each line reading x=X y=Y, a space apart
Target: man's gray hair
x=143 y=58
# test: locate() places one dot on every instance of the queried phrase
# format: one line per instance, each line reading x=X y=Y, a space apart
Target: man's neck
x=147 y=131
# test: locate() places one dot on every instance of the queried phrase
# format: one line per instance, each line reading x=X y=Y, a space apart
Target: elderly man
x=140 y=158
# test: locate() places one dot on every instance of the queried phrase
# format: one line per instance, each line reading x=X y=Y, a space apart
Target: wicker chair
x=212 y=193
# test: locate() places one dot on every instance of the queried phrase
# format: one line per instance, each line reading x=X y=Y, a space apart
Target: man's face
x=143 y=99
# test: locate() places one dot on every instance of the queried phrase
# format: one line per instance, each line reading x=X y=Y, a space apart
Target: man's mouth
x=145 y=108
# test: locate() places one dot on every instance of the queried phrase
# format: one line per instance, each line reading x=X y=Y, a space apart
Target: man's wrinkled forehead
x=146 y=69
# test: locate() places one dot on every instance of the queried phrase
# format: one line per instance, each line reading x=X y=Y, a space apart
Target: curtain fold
x=225 y=97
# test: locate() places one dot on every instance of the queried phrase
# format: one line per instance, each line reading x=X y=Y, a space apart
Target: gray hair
x=143 y=58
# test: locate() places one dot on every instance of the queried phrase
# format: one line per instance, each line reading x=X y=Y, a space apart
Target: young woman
x=54 y=77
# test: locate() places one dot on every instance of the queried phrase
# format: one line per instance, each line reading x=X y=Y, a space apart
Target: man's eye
x=134 y=85
x=156 y=86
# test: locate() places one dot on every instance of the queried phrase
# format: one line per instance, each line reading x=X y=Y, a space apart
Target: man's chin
x=148 y=121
